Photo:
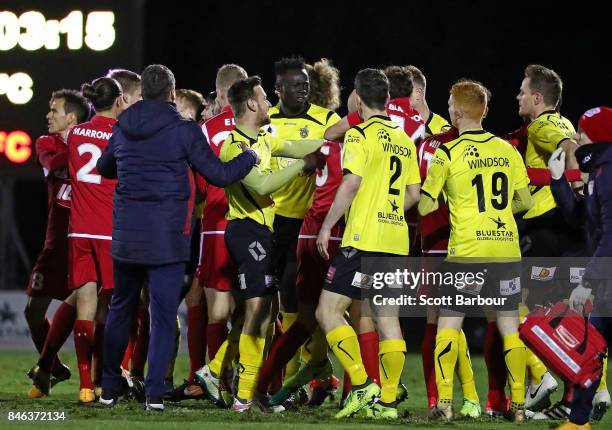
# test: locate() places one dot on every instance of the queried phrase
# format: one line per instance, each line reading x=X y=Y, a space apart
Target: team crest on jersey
x=383 y=136
x=470 y=151
x=304 y=132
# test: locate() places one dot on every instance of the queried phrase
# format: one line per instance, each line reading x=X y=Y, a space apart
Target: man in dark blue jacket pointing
x=152 y=152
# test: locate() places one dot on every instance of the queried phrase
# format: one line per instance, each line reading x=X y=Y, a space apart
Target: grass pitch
x=201 y=414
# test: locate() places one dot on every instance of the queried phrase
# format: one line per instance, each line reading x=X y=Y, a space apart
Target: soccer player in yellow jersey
x=381 y=181
x=543 y=228
x=248 y=235
x=485 y=182
x=294 y=118
x=434 y=123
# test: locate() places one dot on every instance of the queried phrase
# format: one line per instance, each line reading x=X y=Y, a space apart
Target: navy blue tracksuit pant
x=165 y=283
x=602 y=320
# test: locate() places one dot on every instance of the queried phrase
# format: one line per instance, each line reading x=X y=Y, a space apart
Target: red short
x=311 y=267
x=49 y=278
x=90 y=261
x=215 y=267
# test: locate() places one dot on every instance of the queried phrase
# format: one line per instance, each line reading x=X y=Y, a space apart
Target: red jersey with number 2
x=92 y=195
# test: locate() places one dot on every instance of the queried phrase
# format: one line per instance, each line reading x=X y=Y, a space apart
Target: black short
x=286 y=232
x=545 y=235
x=346 y=274
x=251 y=247
x=498 y=281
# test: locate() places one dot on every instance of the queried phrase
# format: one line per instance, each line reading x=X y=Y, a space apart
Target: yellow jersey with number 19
x=479 y=173
x=385 y=158
x=294 y=199
x=544 y=135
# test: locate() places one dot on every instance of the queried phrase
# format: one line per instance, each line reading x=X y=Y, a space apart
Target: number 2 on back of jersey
x=84 y=173
x=396 y=168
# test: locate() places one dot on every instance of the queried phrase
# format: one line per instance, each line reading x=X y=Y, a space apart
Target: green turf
x=202 y=415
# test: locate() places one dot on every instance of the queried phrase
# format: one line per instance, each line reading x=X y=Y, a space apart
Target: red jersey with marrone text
x=434 y=227
x=92 y=195
x=52 y=156
x=216 y=129
x=327 y=182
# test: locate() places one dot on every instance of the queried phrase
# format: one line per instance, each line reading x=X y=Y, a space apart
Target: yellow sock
x=343 y=341
x=515 y=357
x=227 y=351
x=536 y=368
x=216 y=364
x=391 y=358
x=251 y=359
x=604 y=375
x=315 y=349
x=445 y=353
x=464 y=369
x=294 y=364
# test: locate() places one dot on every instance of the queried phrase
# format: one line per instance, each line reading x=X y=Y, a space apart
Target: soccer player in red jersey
x=49 y=277
x=398 y=108
x=90 y=231
x=434 y=123
x=216 y=272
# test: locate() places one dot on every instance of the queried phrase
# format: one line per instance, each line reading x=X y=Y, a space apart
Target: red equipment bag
x=566 y=342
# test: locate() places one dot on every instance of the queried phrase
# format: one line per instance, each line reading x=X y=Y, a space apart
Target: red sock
x=496 y=368
x=281 y=352
x=368 y=344
x=61 y=327
x=277 y=380
x=83 y=344
x=98 y=349
x=346 y=386
x=141 y=346
x=196 y=339
x=427 y=353
x=216 y=333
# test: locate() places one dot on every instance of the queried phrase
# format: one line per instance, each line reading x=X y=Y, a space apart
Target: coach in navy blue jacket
x=152 y=152
x=595 y=159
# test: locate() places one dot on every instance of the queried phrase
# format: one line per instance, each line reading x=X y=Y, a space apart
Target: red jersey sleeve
x=52 y=155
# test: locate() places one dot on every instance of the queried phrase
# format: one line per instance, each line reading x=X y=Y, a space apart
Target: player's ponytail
x=102 y=93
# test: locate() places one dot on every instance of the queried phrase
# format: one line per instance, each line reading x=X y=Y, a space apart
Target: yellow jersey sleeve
x=230 y=150
x=521 y=179
x=547 y=135
x=276 y=144
x=437 y=173
x=354 y=155
x=435 y=124
x=414 y=174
